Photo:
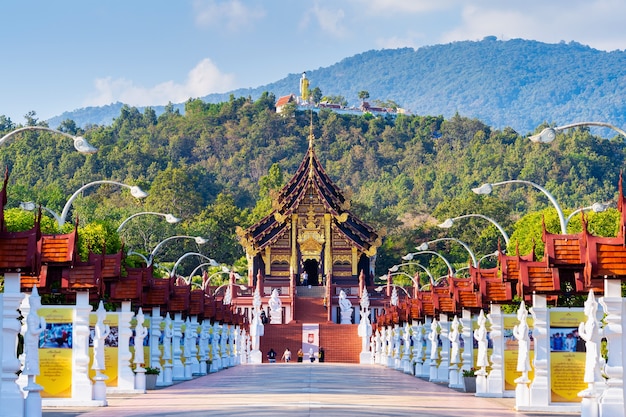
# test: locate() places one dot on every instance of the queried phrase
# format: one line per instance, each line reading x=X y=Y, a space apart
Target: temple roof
x=310 y=175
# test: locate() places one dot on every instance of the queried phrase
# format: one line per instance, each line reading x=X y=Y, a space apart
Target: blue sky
x=67 y=54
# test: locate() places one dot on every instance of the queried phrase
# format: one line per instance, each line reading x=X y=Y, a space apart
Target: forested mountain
x=516 y=83
x=216 y=165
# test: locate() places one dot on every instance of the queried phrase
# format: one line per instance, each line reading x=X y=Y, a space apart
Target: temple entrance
x=311 y=267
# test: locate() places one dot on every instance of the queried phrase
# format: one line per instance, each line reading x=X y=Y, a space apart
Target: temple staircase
x=309 y=305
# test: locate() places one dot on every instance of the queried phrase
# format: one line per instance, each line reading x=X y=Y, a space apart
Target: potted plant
x=469 y=379
x=151 y=377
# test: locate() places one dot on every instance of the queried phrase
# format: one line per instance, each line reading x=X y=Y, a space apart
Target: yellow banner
x=567 y=370
x=55 y=353
x=567 y=318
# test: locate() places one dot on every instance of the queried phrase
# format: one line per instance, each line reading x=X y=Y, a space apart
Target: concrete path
x=302 y=389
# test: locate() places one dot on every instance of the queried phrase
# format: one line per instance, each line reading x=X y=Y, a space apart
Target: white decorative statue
x=433 y=336
x=101 y=331
x=34 y=326
x=140 y=333
x=453 y=336
x=520 y=332
x=276 y=310
x=589 y=331
x=480 y=335
x=346 y=308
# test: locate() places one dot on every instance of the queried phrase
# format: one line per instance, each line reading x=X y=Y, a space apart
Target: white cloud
x=232 y=14
x=389 y=7
x=330 y=21
x=205 y=78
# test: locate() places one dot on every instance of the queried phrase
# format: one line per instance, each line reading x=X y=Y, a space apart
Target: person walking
x=286 y=355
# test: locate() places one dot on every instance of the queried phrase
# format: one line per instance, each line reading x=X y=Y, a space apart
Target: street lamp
x=80 y=143
x=595 y=207
x=135 y=191
x=60 y=219
x=395 y=268
x=382 y=287
x=409 y=257
x=211 y=262
x=488 y=187
x=199 y=240
x=170 y=218
x=548 y=134
x=241 y=287
x=424 y=246
x=450 y=221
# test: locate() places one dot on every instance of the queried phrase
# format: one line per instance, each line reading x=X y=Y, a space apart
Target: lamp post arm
x=556 y=205
x=211 y=261
x=166 y=216
x=80 y=143
x=69 y=202
x=198 y=240
x=395 y=269
x=601 y=124
x=460 y=242
x=450 y=268
x=489 y=219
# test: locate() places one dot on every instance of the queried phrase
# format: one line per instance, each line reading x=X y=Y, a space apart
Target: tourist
x=321 y=355
x=286 y=355
x=300 y=355
x=305 y=278
x=271 y=356
x=311 y=355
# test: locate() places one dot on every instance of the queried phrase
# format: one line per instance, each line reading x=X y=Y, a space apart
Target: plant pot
x=469 y=383
x=151 y=381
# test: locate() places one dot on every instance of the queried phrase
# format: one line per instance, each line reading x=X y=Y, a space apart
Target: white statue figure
x=394 y=297
x=433 y=336
x=453 y=336
x=276 y=310
x=346 y=308
x=365 y=327
x=101 y=331
x=140 y=333
x=480 y=335
x=34 y=326
x=168 y=333
x=520 y=332
x=228 y=296
x=589 y=331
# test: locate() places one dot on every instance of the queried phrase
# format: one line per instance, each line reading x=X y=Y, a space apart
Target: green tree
x=364 y=95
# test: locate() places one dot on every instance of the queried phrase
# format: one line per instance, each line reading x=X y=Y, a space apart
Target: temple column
x=540 y=388
x=495 y=379
x=612 y=398
x=10 y=394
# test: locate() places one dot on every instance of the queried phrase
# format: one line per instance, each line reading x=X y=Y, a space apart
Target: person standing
x=321 y=355
x=311 y=355
x=305 y=278
x=286 y=355
x=271 y=356
x=300 y=355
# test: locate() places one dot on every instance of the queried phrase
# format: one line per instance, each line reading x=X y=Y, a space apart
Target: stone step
x=305 y=291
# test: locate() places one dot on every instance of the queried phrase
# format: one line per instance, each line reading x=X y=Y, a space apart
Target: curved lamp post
x=382 y=287
x=595 y=207
x=241 y=287
x=424 y=246
x=548 y=134
x=409 y=257
x=170 y=218
x=199 y=240
x=450 y=221
x=30 y=206
x=60 y=219
x=488 y=187
x=211 y=262
x=80 y=143
x=395 y=268
x=134 y=190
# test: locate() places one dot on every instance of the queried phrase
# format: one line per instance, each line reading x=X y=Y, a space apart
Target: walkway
x=302 y=389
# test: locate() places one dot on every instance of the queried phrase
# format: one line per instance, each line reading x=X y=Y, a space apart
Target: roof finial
x=311 y=137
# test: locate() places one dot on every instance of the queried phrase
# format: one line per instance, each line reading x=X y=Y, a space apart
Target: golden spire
x=311 y=137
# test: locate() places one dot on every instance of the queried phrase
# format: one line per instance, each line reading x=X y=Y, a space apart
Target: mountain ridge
x=515 y=83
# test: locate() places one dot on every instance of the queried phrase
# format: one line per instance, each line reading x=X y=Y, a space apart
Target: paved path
x=302 y=389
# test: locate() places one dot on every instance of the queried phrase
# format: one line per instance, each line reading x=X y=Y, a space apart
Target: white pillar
x=612 y=399
x=125 y=375
x=203 y=346
x=467 y=336
x=495 y=379
x=195 y=363
x=443 y=368
x=82 y=387
x=168 y=334
x=178 y=371
x=11 y=396
x=155 y=336
x=540 y=388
